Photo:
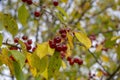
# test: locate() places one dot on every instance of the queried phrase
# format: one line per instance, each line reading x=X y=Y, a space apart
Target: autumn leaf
x=83 y=39
x=70 y=40
x=54 y=64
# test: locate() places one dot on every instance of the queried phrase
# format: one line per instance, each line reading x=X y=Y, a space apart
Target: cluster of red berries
x=59 y=42
x=74 y=60
x=29 y=2
x=26 y=41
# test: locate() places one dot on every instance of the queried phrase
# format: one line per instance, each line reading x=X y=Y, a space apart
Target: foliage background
x=99 y=19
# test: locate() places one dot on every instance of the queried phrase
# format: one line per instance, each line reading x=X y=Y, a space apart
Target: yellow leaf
x=43 y=49
x=1 y=39
x=65 y=1
x=45 y=74
x=115 y=38
x=10 y=24
x=70 y=38
x=68 y=52
x=83 y=39
x=63 y=65
x=99 y=74
x=6 y=60
x=105 y=58
x=99 y=47
x=23 y=47
x=50 y=50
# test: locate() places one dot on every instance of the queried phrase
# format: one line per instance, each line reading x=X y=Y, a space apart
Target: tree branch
x=114 y=73
x=96 y=59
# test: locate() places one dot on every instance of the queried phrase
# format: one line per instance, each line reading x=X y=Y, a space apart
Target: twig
x=96 y=59
x=37 y=32
x=113 y=74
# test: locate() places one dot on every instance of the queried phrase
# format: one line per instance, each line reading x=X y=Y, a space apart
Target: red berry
x=69 y=58
x=62 y=31
x=33 y=49
x=28 y=47
x=52 y=44
x=71 y=62
x=64 y=47
x=57 y=39
x=63 y=35
x=24 y=0
x=105 y=49
x=13 y=48
x=16 y=40
x=29 y=2
x=58 y=47
x=92 y=37
x=55 y=3
x=76 y=60
x=36 y=14
x=29 y=42
x=62 y=53
x=24 y=37
x=80 y=62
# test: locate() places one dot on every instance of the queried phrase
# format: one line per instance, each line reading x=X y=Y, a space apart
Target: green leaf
x=54 y=64
x=118 y=51
x=83 y=39
x=10 y=24
x=1 y=39
x=1 y=20
x=60 y=17
x=37 y=65
x=19 y=57
x=62 y=11
x=23 y=15
x=18 y=71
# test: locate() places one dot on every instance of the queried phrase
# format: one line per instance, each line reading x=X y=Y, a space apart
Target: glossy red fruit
x=76 y=60
x=105 y=49
x=13 y=48
x=24 y=37
x=36 y=14
x=57 y=39
x=55 y=3
x=52 y=44
x=69 y=58
x=33 y=49
x=28 y=47
x=24 y=0
x=16 y=40
x=80 y=62
x=64 y=47
x=63 y=35
x=71 y=62
x=29 y=2
x=62 y=54
x=58 y=47
x=29 y=42
x=92 y=37
x=62 y=31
